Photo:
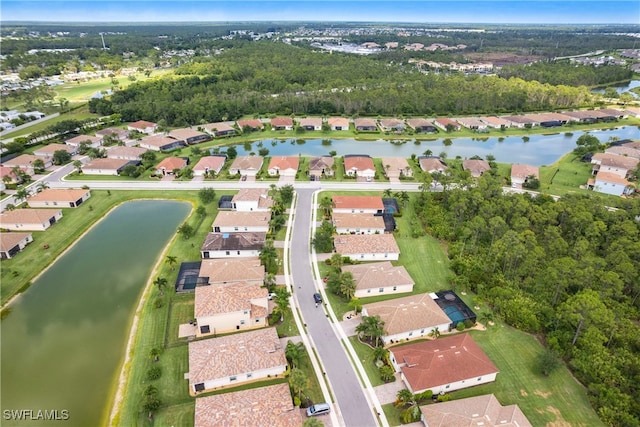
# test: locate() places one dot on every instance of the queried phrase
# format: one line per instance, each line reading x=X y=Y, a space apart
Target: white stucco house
x=232 y=221
x=367 y=247
x=233 y=245
x=357 y=223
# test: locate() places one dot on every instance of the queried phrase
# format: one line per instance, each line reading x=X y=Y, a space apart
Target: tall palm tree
x=269 y=257
x=282 y=301
x=171 y=260
x=326 y=205
x=161 y=283
x=42 y=185
x=298 y=381
x=387 y=192
x=294 y=353
x=21 y=195
x=347 y=285
x=372 y=327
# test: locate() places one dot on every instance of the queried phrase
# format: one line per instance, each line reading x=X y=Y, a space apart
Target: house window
x=249 y=375
x=381 y=290
x=361 y=255
x=199 y=387
x=246 y=229
x=422 y=331
x=238 y=252
x=395 y=288
x=480 y=378
x=386 y=255
x=228 y=253
x=204 y=329
x=410 y=334
x=205 y=254
x=233 y=378
x=235 y=228
x=447 y=386
x=246 y=312
x=257 y=320
x=368 y=291
x=55 y=203
x=242 y=322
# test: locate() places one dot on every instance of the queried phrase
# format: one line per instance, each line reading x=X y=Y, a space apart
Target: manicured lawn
x=565 y=176
x=78 y=114
x=365 y=354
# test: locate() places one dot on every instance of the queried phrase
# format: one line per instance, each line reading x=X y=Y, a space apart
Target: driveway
x=387 y=392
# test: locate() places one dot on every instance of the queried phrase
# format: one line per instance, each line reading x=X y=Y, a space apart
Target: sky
x=419 y=11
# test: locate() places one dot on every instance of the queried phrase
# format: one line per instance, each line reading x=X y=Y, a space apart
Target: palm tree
x=435 y=333
x=372 y=327
x=282 y=301
x=294 y=353
x=408 y=399
x=387 y=192
x=404 y=198
x=77 y=164
x=380 y=353
x=347 y=285
x=42 y=185
x=269 y=257
x=326 y=204
x=21 y=195
x=171 y=260
x=161 y=283
x=337 y=262
x=270 y=282
x=298 y=381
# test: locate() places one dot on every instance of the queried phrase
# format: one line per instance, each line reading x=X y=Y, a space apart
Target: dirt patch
x=523 y=393
x=502 y=58
x=541 y=394
x=559 y=422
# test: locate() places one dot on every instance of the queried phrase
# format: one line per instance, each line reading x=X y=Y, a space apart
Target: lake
x=622 y=88
x=63 y=340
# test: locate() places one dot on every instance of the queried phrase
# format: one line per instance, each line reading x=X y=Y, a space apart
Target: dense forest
x=565 y=73
x=263 y=78
x=566 y=270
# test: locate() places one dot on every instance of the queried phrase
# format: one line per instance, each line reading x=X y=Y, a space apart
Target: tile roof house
x=254 y=124
x=284 y=165
x=25 y=162
x=476 y=167
x=29 y=219
x=190 y=136
x=50 y=149
x=432 y=164
x=115 y=133
x=421 y=125
x=357 y=204
x=443 y=365
x=230 y=221
x=364 y=124
x=127 y=153
x=209 y=164
x=472 y=123
x=521 y=173
x=235 y=359
x=496 y=122
x=261 y=406
x=7 y=171
x=246 y=165
x=231 y=307
x=359 y=165
x=442 y=123
x=622 y=166
x=160 y=143
x=232 y=245
x=106 y=166
x=218 y=271
x=311 y=123
x=219 y=129
x=410 y=317
x=168 y=165
x=379 y=278
x=338 y=123
x=357 y=223
x=610 y=183
x=395 y=167
x=59 y=198
x=143 y=126
x=322 y=165
x=90 y=140
x=483 y=410
x=624 y=150
x=633 y=111
x=252 y=199
x=282 y=123
x=12 y=243
x=392 y=125
x=373 y=247
x=519 y=121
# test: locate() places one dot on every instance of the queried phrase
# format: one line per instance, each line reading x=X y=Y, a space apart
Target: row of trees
x=565 y=73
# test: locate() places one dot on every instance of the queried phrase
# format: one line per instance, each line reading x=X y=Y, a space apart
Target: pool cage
x=454 y=308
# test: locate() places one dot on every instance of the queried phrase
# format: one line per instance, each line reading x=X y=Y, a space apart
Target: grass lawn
x=565 y=176
x=365 y=354
x=81 y=113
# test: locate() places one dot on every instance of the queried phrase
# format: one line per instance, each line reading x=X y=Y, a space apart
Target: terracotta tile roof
x=523 y=171
x=611 y=178
x=262 y=406
x=142 y=124
x=408 y=313
x=185 y=133
x=171 y=163
x=28 y=216
x=396 y=164
x=158 y=140
x=119 y=133
x=76 y=140
x=338 y=121
x=379 y=274
x=254 y=123
x=235 y=354
x=245 y=241
x=357 y=220
x=129 y=152
x=284 y=162
x=476 y=167
x=519 y=119
x=25 y=160
x=391 y=123
x=8 y=171
x=10 y=240
x=432 y=164
x=247 y=163
x=52 y=148
x=471 y=122
x=232 y=270
x=483 y=410
x=311 y=121
x=623 y=150
x=358 y=163
x=445 y=121
x=357 y=202
x=212 y=162
x=106 y=163
x=219 y=127
x=418 y=122
x=615 y=160
x=58 y=195
x=495 y=121
x=282 y=121
x=242 y=219
x=260 y=195
x=363 y=121
x=348 y=244
x=442 y=361
x=217 y=299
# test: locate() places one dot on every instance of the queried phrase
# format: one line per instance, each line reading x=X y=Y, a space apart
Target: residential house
x=365 y=247
x=476 y=167
x=391 y=125
x=338 y=123
x=126 y=153
x=431 y=164
x=50 y=149
x=622 y=166
x=359 y=165
x=496 y=122
x=29 y=219
x=115 y=133
x=396 y=167
x=380 y=278
x=357 y=223
x=189 y=136
x=12 y=243
x=238 y=245
x=252 y=199
x=170 y=164
x=246 y=165
x=282 y=123
x=228 y=270
x=581 y=116
x=472 y=123
x=230 y=221
x=160 y=143
x=253 y=124
x=219 y=129
x=624 y=150
x=284 y=165
x=106 y=166
x=88 y=140
x=422 y=125
x=311 y=123
x=521 y=174
x=632 y=111
x=25 y=162
x=519 y=121
x=319 y=166
x=60 y=198
x=14 y=178
x=220 y=309
x=446 y=124
x=548 y=120
x=357 y=204
x=143 y=126
x=483 y=410
x=607 y=114
x=235 y=359
x=262 y=406
x=410 y=317
x=610 y=183
x=209 y=164
x=364 y=124
x=443 y=365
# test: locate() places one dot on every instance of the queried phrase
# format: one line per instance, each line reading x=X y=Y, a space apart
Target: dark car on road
x=317 y=298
